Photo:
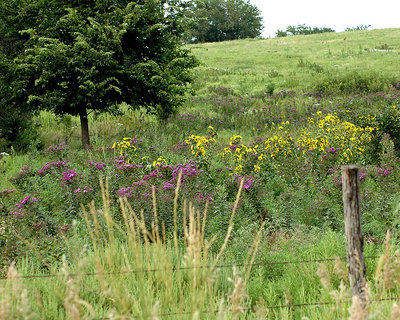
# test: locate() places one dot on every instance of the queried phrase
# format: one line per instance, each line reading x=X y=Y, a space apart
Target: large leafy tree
x=80 y=56
x=220 y=20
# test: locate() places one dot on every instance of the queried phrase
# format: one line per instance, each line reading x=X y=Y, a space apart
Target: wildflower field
x=248 y=171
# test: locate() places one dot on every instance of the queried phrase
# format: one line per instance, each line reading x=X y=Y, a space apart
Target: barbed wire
x=221 y=266
x=266 y=308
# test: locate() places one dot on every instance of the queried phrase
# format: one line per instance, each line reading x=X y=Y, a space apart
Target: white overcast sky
x=335 y=14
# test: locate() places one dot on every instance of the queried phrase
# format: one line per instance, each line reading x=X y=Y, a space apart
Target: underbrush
x=287 y=151
x=126 y=271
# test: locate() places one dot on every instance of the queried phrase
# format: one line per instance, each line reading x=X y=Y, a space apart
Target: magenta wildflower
x=70 y=176
x=54 y=164
x=247 y=183
x=85 y=189
x=7 y=191
x=99 y=166
x=168 y=186
x=125 y=192
x=383 y=172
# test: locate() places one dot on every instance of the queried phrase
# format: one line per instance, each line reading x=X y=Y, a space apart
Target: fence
x=354 y=245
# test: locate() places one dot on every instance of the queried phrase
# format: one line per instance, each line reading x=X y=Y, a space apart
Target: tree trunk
x=84 y=129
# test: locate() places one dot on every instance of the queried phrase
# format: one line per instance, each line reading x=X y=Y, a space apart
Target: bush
x=302 y=30
x=354 y=82
x=18 y=131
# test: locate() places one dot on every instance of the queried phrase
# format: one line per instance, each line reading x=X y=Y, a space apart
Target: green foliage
x=354 y=82
x=388 y=123
x=221 y=20
x=17 y=128
x=302 y=30
x=359 y=27
x=96 y=55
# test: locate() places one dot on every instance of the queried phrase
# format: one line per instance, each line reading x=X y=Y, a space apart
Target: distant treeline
x=303 y=29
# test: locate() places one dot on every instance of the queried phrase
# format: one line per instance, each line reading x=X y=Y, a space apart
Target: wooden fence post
x=352 y=226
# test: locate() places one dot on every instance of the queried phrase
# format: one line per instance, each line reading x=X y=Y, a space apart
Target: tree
x=301 y=29
x=76 y=57
x=220 y=20
x=359 y=27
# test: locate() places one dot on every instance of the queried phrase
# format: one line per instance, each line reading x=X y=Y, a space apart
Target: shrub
x=18 y=130
x=354 y=82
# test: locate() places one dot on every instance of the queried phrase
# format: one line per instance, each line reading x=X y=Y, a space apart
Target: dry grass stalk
x=323 y=275
x=288 y=299
x=175 y=212
x=222 y=311
x=253 y=251
x=230 y=225
x=387 y=275
x=15 y=304
x=238 y=295
x=340 y=296
x=341 y=271
x=72 y=302
x=261 y=312
x=155 y=311
x=395 y=313
x=359 y=310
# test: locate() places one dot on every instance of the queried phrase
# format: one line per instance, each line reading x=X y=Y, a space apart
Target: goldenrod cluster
x=126 y=148
x=330 y=132
x=199 y=145
x=160 y=162
x=278 y=145
x=244 y=157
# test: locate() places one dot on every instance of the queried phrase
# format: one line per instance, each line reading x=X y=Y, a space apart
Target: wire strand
x=259 y=264
x=291 y=306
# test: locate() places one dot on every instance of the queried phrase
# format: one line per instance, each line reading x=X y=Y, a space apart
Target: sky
x=334 y=14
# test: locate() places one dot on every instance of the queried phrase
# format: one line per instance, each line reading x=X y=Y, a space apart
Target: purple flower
x=7 y=191
x=168 y=186
x=54 y=164
x=125 y=192
x=70 y=176
x=362 y=175
x=247 y=184
x=99 y=166
x=38 y=225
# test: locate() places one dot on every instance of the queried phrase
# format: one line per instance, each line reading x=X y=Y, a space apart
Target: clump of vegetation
x=355 y=82
x=302 y=30
x=359 y=27
x=222 y=20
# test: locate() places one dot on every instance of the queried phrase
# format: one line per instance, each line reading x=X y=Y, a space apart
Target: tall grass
x=131 y=272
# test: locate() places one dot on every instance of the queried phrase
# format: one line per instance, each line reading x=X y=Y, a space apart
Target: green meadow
x=295 y=63
x=230 y=209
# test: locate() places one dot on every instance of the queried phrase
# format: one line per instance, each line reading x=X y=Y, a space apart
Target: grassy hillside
x=248 y=172
x=249 y=66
